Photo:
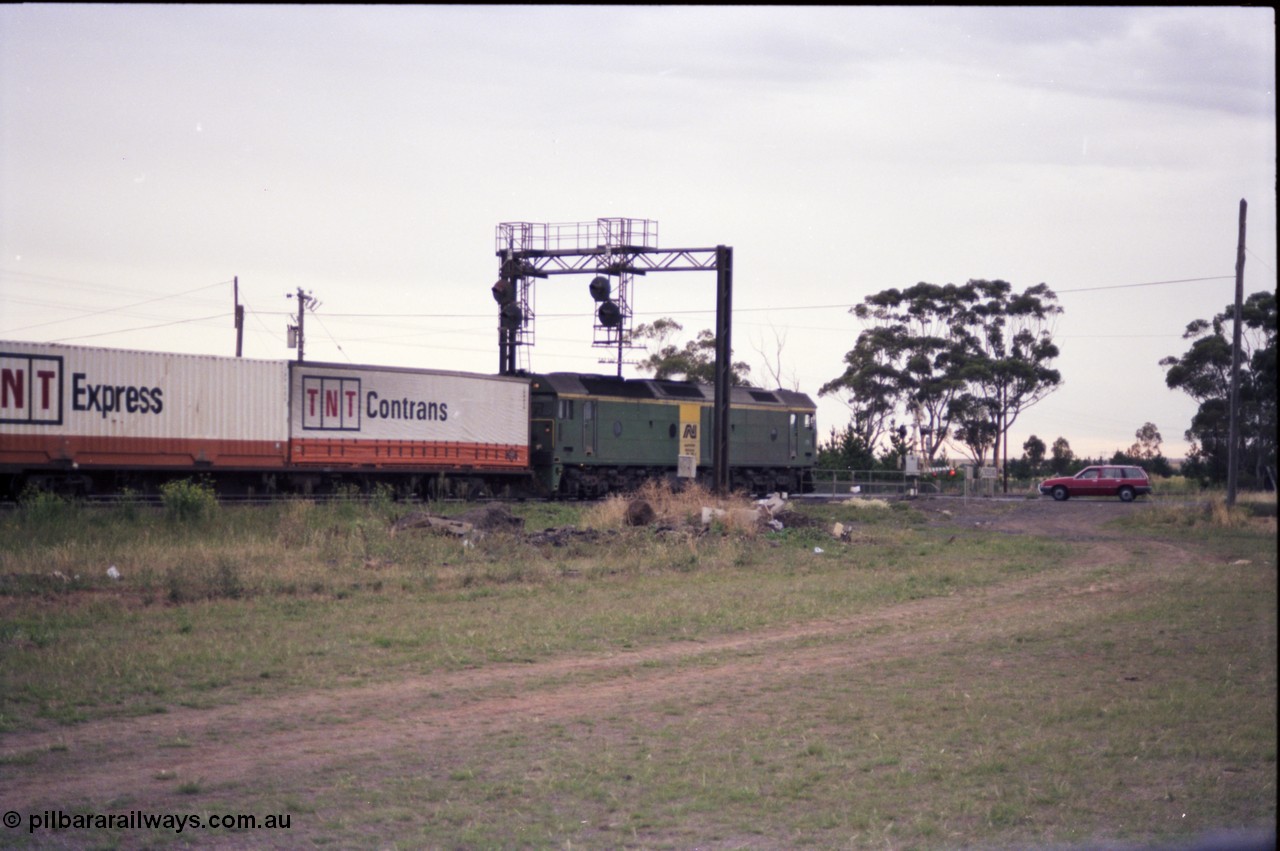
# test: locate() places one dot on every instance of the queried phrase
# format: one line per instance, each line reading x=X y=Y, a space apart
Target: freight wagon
x=91 y=420
x=430 y=432
x=86 y=419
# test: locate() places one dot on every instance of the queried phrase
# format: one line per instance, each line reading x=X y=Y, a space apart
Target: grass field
x=973 y=674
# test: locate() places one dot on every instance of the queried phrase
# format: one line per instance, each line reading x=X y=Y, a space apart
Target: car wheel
x=1060 y=493
x=1126 y=494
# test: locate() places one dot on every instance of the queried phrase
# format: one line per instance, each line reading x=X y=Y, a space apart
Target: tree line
x=940 y=367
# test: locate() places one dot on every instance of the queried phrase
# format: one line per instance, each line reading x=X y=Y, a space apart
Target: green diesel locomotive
x=590 y=435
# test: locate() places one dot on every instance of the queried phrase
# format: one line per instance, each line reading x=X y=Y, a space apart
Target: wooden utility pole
x=239 y=318
x=302 y=315
x=305 y=300
x=1233 y=434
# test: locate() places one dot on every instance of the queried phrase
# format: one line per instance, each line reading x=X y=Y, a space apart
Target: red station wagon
x=1122 y=481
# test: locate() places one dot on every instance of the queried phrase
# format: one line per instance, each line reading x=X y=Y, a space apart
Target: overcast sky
x=151 y=154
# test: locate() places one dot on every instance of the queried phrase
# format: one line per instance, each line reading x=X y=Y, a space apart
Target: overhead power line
x=839 y=306
x=1261 y=261
x=843 y=305
x=1147 y=284
x=121 y=308
x=142 y=328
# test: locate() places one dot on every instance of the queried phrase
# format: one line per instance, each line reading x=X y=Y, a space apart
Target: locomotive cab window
x=566 y=409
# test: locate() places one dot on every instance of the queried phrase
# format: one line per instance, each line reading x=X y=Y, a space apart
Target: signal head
x=504 y=291
x=510 y=316
x=599 y=288
x=610 y=315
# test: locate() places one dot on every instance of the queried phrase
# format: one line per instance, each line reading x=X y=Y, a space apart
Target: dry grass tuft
x=671 y=507
x=867 y=502
x=1222 y=515
x=1252 y=511
x=608 y=513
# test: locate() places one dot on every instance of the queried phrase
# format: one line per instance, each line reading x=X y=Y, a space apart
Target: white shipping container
x=96 y=406
x=385 y=416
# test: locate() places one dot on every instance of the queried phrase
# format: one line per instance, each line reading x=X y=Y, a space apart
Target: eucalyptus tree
x=694 y=361
x=1061 y=457
x=1033 y=450
x=1204 y=373
x=1010 y=339
x=966 y=359
x=906 y=359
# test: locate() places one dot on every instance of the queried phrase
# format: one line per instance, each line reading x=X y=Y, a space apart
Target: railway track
x=157 y=501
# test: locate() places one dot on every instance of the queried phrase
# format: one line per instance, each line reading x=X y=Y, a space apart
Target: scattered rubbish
x=793 y=520
x=488 y=518
x=742 y=518
x=432 y=523
x=491 y=518
x=819 y=550
x=767 y=514
x=841 y=532
x=112 y=573
x=774 y=503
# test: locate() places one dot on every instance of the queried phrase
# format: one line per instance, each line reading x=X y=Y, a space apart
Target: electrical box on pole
x=297 y=333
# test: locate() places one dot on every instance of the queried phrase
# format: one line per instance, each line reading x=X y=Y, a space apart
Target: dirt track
x=293 y=739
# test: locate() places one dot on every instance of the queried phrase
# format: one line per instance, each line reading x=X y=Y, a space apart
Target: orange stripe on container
x=407 y=453
x=35 y=450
